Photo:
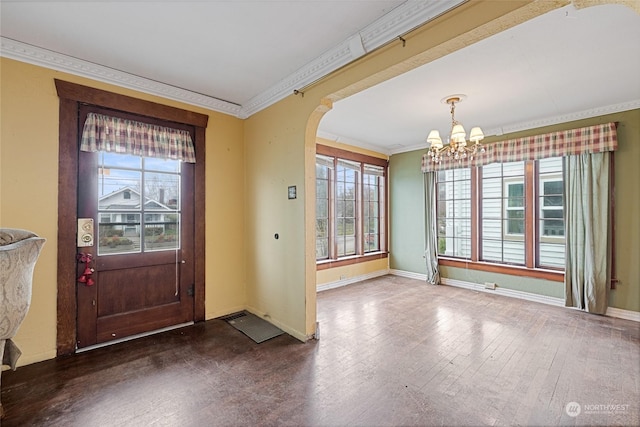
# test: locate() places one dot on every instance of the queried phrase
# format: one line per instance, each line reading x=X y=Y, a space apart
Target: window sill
x=538 y=273
x=326 y=264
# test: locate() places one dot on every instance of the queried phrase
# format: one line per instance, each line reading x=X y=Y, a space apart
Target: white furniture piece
x=19 y=251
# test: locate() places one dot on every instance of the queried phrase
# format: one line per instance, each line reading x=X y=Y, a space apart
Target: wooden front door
x=138 y=274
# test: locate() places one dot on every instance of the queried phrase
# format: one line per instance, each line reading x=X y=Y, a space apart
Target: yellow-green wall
x=29 y=189
x=352 y=271
x=280 y=151
x=250 y=164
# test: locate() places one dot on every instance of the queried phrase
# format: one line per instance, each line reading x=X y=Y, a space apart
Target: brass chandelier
x=457 y=147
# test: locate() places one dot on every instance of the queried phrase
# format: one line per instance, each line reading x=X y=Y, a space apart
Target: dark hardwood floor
x=392 y=351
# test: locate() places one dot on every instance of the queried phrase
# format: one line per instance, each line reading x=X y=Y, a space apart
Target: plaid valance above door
x=113 y=134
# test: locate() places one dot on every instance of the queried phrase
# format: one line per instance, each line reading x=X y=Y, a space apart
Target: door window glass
x=138 y=204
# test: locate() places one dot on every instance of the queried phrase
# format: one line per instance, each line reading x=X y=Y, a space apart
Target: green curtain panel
x=431 y=229
x=588 y=246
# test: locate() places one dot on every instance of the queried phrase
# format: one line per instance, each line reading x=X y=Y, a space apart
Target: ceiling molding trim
x=23 y=52
x=397 y=22
x=404 y=18
x=534 y=124
x=390 y=26
x=406 y=148
x=565 y=118
x=353 y=142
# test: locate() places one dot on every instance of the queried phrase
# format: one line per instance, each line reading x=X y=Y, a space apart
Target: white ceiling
x=240 y=56
x=565 y=65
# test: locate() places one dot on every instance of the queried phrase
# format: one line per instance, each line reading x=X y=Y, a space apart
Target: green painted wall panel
x=406 y=213
x=407 y=216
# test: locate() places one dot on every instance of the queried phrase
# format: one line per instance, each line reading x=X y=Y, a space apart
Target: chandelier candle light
x=457 y=139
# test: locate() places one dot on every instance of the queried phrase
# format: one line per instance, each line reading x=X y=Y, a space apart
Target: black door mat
x=253 y=326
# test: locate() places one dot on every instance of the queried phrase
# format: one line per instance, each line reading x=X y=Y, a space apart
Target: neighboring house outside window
x=350 y=205
x=516 y=218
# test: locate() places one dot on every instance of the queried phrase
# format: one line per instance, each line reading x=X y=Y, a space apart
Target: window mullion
x=476 y=209
x=359 y=228
x=333 y=244
x=531 y=191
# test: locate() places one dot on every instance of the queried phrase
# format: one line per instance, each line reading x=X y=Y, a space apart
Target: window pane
x=442 y=190
x=551 y=232
x=322 y=209
x=371 y=207
x=349 y=227
x=514 y=252
x=162 y=165
x=462 y=228
x=492 y=208
x=491 y=188
x=503 y=224
x=139 y=204
x=454 y=213
x=516 y=195
x=163 y=233
x=119 y=189
x=552 y=255
x=161 y=191
x=322 y=228
x=322 y=248
x=119 y=233
x=492 y=170
x=553 y=228
x=322 y=189
x=515 y=225
x=513 y=169
x=462 y=174
x=119 y=161
x=323 y=172
x=550 y=164
x=350 y=209
x=462 y=248
x=461 y=209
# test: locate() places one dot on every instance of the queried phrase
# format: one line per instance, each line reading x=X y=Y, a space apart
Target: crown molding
x=353 y=142
x=389 y=27
x=397 y=22
x=533 y=124
x=24 y=52
x=565 y=118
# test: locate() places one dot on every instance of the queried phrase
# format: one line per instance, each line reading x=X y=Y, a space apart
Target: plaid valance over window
x=106 y=133
x=591 y=139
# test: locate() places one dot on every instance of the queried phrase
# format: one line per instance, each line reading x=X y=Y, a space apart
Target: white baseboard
x=409 y=274
x=350 y=280
x=558 y=302
x=623 y=314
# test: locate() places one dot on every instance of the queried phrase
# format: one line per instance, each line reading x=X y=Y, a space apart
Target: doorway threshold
x=132 y=337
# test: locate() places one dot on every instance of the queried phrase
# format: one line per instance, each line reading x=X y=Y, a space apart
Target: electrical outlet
x=343 y=276
x=489 y=285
